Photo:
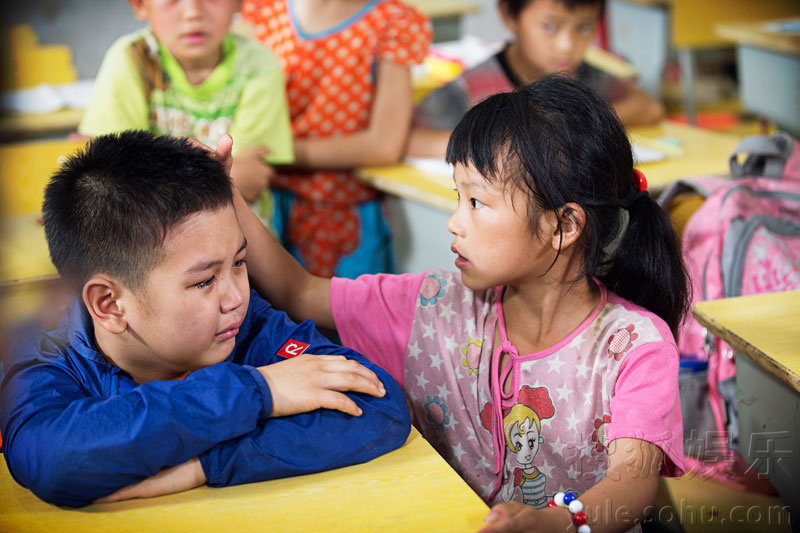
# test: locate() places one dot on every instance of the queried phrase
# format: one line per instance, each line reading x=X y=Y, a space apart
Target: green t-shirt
x=140 y=85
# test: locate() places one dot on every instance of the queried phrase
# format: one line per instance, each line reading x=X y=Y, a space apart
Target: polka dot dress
x=330 y=85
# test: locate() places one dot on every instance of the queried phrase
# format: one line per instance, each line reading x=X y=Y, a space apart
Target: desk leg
x=769 y=431
x=686 y=58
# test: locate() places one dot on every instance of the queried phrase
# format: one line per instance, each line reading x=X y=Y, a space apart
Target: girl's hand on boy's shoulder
x=308 y=382
x=168 y=481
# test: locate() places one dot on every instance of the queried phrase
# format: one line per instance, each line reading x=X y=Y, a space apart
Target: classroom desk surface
x=761 y=33
x=445 y=8
x=410 y=489
x=689 y=151
x=772 y=341
x=23 y=125
x=763 y=331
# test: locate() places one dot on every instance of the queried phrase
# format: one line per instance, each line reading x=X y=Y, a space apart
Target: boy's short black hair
x=515 y=7
x=110 y=205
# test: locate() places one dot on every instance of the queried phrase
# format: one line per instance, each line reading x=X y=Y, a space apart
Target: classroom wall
x=486 y=23
x=89 y=27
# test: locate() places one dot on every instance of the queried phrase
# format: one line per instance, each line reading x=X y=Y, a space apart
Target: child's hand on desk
x=310 y=382
x=168 y=481
x=250 y=173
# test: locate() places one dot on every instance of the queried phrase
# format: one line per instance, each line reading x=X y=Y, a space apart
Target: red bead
x=580 y=518
x=551 y=503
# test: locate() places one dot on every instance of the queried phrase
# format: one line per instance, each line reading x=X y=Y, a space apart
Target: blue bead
x=568 y=497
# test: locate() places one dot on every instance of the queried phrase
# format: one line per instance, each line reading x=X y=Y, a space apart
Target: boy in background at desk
x=349 y=92
x=549 y=36
x=168 y=372
x=188 y=75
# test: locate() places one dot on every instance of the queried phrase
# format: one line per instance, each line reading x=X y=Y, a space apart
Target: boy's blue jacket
x=76 y=428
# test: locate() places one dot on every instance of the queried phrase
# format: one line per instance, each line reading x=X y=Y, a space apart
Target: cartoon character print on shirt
x=621 y=342
x=522 y=428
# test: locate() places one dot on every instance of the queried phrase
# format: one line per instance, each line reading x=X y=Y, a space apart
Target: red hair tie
x=641 y=179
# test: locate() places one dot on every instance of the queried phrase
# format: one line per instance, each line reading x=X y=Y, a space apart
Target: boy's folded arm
x=314 y=441
x=71 y=448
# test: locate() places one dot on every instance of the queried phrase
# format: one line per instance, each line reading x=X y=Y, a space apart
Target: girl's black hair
x=559 y=142
x=515 y=7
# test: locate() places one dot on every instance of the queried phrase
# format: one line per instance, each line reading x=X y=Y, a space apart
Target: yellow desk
x=25 y=125
x=411 y=489
x=446 y=16
x=768 y=63
x=764 y=331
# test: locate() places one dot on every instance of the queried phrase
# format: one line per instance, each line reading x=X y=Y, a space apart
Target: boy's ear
x=509 y=21
x=573 y=219
x=139 y=9
x=102 y=296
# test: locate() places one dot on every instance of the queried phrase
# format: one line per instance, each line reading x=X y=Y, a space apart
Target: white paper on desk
x=46 y=98
x=643 y=154
x=434 y=165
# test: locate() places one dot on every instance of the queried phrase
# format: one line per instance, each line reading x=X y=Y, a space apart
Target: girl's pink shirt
x=615 y=376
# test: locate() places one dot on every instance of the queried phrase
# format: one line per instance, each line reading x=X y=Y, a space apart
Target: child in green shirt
x=188 y=75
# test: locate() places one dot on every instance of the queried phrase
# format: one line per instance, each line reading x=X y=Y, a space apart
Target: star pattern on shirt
x=588 y=396
x=443 y=392
x=546 y=469
x=458 y=451
x=414 y=351
x=572 y=422
x=555 y=364
x=436 y=360
x=564 y=392
x=582 y=370
x=481 y=463
x=446 y=311
x=451 y=344
x=558 y=446
x=430 y=331
x=421 y=381
x=573 y=473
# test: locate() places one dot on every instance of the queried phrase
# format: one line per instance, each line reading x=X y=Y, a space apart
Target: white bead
x=559 y=498
x=584 y=529
x=575 y=506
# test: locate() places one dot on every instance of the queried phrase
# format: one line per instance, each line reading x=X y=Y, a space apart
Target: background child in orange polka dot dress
x=348 y=84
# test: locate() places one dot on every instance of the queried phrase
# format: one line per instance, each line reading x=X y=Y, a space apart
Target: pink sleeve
x=374 y=314
x=646 y=404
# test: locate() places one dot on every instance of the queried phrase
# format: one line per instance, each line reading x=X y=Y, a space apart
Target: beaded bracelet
x=570 y=501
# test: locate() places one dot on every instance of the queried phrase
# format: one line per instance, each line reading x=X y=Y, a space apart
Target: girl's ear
x=573 y=218
x=103 y=299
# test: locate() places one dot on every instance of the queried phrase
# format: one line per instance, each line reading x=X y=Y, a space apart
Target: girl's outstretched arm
x=630 y=485
x=278 y=277
x=383 y=142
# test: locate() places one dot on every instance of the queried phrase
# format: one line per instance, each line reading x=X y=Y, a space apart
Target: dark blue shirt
x=76 y=428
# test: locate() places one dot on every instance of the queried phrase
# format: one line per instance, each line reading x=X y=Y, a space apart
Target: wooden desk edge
x=753 y=34
x=763 y=360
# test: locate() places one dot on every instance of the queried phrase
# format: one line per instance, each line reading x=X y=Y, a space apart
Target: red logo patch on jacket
x=293 y=348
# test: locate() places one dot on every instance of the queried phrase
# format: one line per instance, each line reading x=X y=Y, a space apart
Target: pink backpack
x=744 y=239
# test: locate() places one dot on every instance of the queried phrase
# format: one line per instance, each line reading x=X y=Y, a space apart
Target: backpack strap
x=766 y=156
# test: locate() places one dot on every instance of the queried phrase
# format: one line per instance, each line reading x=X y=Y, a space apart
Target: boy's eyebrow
x=200 y=267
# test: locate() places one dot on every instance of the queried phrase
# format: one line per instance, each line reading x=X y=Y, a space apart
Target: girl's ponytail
x=647 y=267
